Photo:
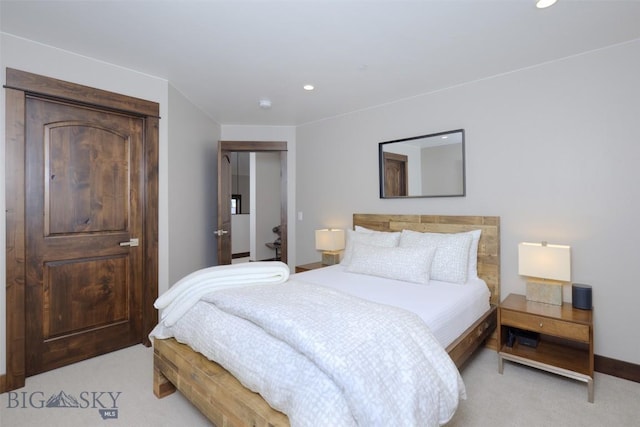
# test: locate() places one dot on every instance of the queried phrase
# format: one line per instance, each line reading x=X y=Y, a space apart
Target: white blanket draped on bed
x=188 y=290
x=324 y=357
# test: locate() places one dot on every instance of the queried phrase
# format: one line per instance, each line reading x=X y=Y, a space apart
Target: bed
x=225 y=401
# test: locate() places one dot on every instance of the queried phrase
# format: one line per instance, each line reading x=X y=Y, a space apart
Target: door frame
x=20 y=85
x=224 y=192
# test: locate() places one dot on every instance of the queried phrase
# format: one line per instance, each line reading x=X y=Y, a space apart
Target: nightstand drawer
x=545 y=325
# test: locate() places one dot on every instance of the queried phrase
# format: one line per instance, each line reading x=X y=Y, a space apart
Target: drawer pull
x=541 y=324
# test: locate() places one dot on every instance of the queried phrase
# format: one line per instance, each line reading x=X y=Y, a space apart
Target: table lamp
x=330 y=241
x=547 y=267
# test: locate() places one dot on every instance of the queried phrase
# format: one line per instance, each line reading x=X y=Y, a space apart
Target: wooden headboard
x=488 y=247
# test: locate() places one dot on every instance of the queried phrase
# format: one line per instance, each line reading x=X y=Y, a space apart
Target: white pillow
x=451 y=260
x=407 y=264
x=376 y=238
x=473 y=254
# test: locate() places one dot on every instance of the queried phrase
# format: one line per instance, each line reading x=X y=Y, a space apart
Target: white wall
x=553 y=150
x=274 y=133
x=193 y=190
x=441 y=168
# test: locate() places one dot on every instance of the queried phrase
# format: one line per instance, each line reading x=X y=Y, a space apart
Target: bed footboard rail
x=210 y=387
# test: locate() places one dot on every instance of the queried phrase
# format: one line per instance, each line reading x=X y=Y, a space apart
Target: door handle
x=131 y=242
x=220 y=233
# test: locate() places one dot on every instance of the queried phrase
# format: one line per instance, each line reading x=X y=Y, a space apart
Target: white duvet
x=324 y=357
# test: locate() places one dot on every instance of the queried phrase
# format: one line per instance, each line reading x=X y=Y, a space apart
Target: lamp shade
x=330 y=239
x=545 y=261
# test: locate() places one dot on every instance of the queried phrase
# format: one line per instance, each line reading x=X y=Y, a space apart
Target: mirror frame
x=415 y=139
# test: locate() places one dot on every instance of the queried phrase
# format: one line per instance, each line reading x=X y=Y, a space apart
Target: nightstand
x=565 y=344
x=311 y=266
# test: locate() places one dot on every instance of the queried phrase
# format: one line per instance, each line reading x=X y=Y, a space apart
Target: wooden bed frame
x=226 y=402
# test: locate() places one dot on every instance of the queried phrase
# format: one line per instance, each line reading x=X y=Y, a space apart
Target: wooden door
x=22 y=87
x=223 y=233
x=84 y=205
x=395 y=175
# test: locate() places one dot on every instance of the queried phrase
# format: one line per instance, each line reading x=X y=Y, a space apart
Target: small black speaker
x=581 y=296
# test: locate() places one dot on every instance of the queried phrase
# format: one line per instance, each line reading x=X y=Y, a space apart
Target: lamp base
x=545 y=292
x=330 y=257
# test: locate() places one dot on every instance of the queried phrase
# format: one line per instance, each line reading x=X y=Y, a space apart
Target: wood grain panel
x=151 y=233
x=83 y=294
x=558 y=328
x=88 y=165
x=15 y=238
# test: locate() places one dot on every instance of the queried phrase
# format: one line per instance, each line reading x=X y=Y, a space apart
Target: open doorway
x=275 y=202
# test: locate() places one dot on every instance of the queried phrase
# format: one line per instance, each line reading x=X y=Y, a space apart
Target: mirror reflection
x=240 y=183
x=423 y=166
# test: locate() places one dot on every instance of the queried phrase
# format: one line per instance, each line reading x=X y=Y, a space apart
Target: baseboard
x=617 y=368
x=240 y=255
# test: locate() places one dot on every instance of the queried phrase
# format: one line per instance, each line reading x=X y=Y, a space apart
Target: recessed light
x=265 y=104
x=308 y=87
x=541 y=4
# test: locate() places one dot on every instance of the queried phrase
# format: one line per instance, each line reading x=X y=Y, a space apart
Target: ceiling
x=225 y=56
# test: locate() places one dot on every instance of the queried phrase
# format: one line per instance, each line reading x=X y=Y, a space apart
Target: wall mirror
x=423 y=166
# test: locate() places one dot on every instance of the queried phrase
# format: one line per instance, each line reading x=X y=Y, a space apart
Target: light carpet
x=116 y=390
